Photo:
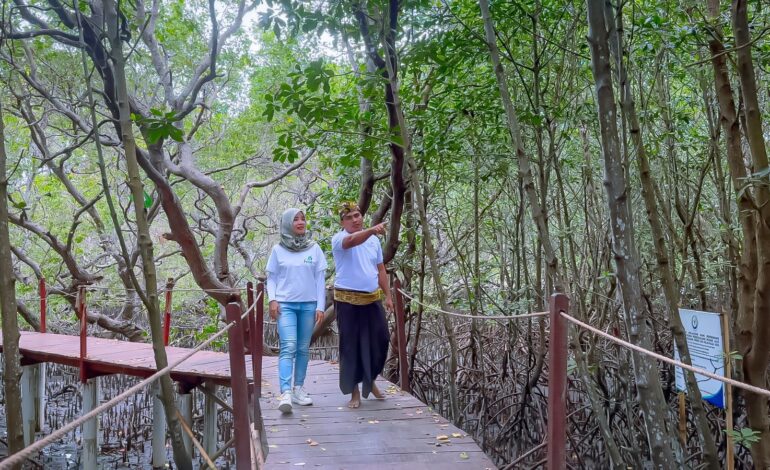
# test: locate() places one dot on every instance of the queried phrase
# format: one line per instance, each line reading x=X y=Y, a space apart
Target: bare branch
x=269 y=181
x=28 y=261
x=58 y=247
x=190 y=93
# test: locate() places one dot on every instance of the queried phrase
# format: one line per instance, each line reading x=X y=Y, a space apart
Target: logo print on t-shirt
x=309 y=260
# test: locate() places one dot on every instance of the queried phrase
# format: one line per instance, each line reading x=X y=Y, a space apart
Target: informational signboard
x=705 y=341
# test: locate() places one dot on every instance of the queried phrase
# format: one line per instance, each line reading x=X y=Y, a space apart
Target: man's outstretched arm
x=355 y=239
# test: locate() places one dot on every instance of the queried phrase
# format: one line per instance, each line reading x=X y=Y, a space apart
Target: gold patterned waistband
x=357 y=298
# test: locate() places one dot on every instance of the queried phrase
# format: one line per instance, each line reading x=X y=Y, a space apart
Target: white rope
x=22 y=455
x=480 y=317
x=175 y=289
x=711 y=375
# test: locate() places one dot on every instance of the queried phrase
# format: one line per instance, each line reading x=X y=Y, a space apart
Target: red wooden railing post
x=43 y=303
x=557 y=384
x=247 y=331
x=256 y=322
x=258 y=342
x=259 y=332
x=167 y=314
x=403 y=366
x=80 y=306
x=239 y=388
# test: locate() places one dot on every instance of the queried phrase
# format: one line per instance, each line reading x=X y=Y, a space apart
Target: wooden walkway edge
x=110 y=356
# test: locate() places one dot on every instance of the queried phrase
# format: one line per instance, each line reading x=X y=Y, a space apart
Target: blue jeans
x=295 y=327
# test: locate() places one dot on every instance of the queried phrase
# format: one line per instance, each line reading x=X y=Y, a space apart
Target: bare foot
x=376 y=392
x=355 y=400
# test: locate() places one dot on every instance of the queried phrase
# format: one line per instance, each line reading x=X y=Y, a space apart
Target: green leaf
x=176 y=133
x=744 y=436
x=154 y=135
x=147 y=200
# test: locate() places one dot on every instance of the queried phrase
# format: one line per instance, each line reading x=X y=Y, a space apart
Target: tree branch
x=269 y=181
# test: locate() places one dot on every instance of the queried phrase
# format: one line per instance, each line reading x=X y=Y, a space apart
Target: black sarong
x=364 y=340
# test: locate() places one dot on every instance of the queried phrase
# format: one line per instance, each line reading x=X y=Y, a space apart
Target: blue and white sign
x=704 y=339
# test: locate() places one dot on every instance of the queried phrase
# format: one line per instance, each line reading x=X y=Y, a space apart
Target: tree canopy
x=612 y=151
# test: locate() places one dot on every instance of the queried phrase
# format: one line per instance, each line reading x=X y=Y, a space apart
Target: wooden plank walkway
x=399 y=432
x=110 y=356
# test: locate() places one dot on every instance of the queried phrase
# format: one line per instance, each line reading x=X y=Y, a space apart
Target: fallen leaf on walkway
x=272 y=446
x=463 y=455
x=456 y=434
x=313 y=443
x=374 y=421
x=442 y=437
x=299 y=464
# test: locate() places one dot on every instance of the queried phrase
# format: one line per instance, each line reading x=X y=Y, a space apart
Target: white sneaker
x=301 y=397
x=285 y=404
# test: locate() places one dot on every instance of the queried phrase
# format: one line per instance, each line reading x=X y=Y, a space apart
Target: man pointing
x=359 y=285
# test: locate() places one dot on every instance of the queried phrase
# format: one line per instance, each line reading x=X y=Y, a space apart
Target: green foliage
x=744 y=436
x=213 y=325
x=161 y=125
x=311 y=108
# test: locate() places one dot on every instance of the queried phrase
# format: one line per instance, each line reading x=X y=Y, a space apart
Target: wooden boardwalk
x=110 y=356
x=399 y=432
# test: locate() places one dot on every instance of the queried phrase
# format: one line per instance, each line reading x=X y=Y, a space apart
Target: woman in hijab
x=295 y=286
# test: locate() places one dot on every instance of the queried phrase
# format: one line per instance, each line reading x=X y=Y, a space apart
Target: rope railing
x=480 y=317
x=122 y=298
x=176 y=289
x=697 y=370
x=660 y=357
x=21 y=456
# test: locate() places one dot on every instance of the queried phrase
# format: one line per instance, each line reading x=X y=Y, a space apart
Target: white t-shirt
x=297 y=276
x=356 y=267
